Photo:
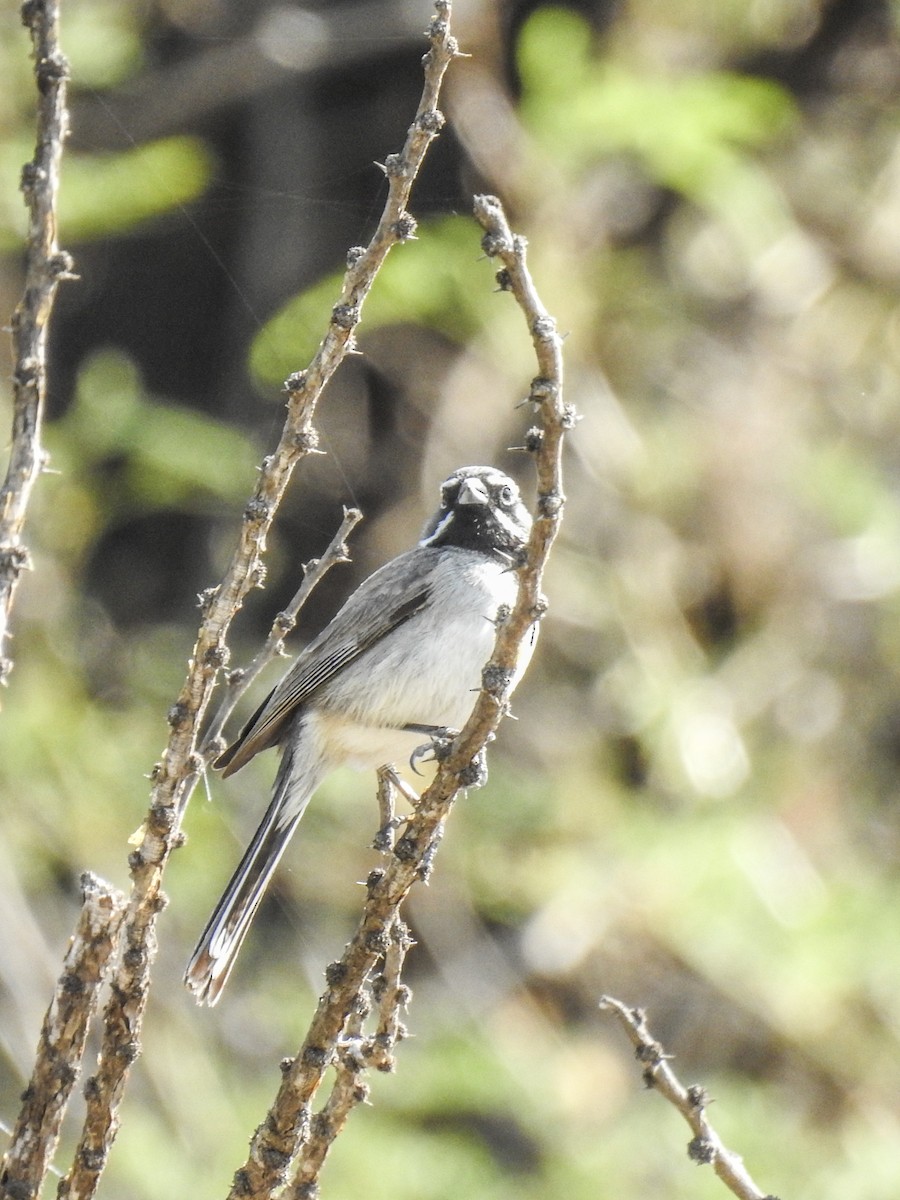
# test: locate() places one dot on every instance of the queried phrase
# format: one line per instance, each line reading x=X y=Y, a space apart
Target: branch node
x=426 y=863
x=377 y=941
x=335 y=974
x=404 y=228
x=216 y=656
x=296 y=383
x=32 y=177
x=550 y=504
x=178 y=715
x=241 y=1184
x=493 y=244
x=345 y=316
x=406 y=849
x=542 y=390
x=544 y=328
x=206 y=599
x=315 y=1056
x=306 y=441
x=277 y=1160
x=61 y=265
x=51 y=70
x=701 y=1150
x=395 y=166
x=539 y=608
x=496 y=680
x=431 y=121
x=257 y=511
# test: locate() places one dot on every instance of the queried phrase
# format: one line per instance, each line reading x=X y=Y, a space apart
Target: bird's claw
x=475 y=775
x=434 y=750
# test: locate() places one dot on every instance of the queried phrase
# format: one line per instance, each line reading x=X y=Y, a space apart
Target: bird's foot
x=475 y=775
x=436 y=749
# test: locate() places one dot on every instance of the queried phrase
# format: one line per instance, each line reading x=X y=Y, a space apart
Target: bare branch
x=289 y=1121
x=356 y=1054
x=62 y=1041
x=706 y=1146
x=45 y=266
x=392 y=996
x=238 y=681
x=103 y=1091
x=181 y=764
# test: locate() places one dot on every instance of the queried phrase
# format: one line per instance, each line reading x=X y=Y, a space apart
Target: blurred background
x=697 y=809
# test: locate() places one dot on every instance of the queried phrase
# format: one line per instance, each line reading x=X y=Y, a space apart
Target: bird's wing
x=380 y=605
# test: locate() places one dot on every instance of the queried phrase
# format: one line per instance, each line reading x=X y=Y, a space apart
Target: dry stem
x=706 y=1146
x=45 y=266
x=355 y=1054
x=63 y=1035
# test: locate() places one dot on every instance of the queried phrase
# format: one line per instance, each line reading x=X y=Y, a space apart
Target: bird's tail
x=216 y=951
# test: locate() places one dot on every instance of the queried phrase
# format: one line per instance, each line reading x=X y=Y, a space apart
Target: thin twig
x=355 y=1055
x=392 y=997
x=62 y=1040
x=705 y=1147
x=278 y=1139
x=181 y=764
x=239 y=680
x=348 y=1090
x=45 y=266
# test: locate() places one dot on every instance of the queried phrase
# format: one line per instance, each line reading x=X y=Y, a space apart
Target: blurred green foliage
x=116 y=192
x=110 y=193
x=431 y=281
x=102 y=43
x=690 y=132
x=172 y=457
x=697 y=807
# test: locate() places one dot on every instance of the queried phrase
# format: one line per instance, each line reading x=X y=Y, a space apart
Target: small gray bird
x=403 y=657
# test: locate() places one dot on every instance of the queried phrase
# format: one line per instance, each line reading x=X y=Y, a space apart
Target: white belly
x=427 y=672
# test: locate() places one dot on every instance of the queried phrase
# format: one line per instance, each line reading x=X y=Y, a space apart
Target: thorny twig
x=705 y=1147
x=289 y=1122
x=62 y=1040
x=239 y=680
x=181 y=764
x=356 y=1054
x=45 y=266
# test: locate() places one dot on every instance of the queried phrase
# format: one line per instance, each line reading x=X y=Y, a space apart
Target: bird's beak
x=472 y=491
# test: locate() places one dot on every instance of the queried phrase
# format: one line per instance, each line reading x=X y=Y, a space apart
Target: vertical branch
x=62 y=1041
x=120 y=1046
x=355 y=1055
x=45 y=266
x=181 y=765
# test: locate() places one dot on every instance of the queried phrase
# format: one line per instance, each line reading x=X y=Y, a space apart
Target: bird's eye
x=507 y=495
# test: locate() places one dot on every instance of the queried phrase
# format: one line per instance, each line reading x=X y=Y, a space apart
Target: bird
x=401 y=659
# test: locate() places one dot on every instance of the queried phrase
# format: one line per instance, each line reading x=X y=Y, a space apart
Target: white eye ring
x=507 y=495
